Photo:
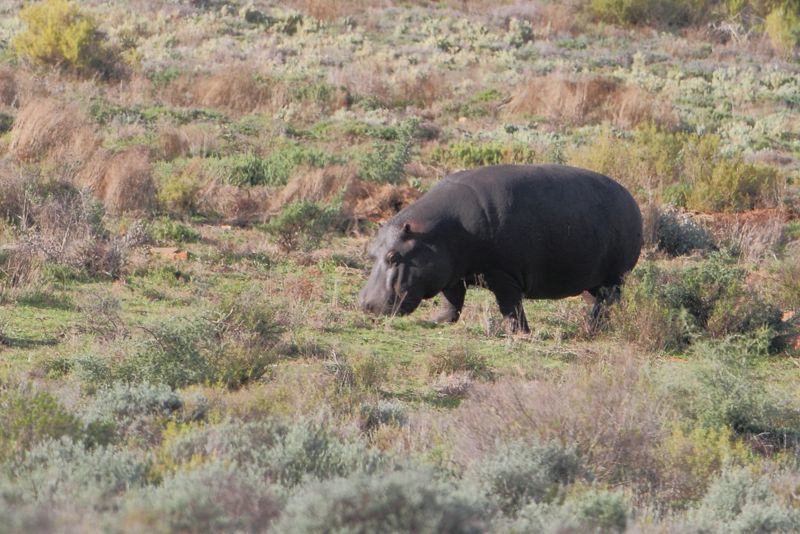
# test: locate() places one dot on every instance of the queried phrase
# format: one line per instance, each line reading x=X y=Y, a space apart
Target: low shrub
x=723 y=390
x=734 y=185
x=521 y=472
x=30 y=417
x=677 y=234
x=650 y=12
x=64 y=471
x=168 y=231
x=592 y=511
x=686 y=170
x=59 y=34
x=667 y=309
x=782 y=26
x=248 y=170
x=470 y=154
x=382 y=413
x=232 y=347
x=692 y=455
x=457 y=359
x=212 y=498
x=301 y=224
x=133 y=410
x=400 y=501
x=743 y=502
x=386 y=162
x=617 y=448
x=102 y=318
x=282 y=453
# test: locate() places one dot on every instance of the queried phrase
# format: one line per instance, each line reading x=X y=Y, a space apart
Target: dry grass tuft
x=236 y=205
x=315 y=185
x=591 y=99
x=372 y=78
x=195 y=139
x=8 y=87
x=327 y=10
x=757 y=234
x=48 y=128
x=375 y=202
x=123 y=182
x=234 y=89
x=14 y=202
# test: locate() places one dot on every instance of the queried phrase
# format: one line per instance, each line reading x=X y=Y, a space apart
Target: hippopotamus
x=533 y=231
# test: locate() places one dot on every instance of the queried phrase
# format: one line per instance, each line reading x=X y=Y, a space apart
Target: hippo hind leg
x=604 y=296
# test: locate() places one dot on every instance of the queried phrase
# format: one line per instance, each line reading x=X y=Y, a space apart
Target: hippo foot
x=512 y=326
x=446 y=316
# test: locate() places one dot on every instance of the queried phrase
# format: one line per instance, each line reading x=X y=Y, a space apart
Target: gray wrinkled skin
x=526 y=231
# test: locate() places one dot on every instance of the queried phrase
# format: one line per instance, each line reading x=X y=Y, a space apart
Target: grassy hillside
x=187 y=190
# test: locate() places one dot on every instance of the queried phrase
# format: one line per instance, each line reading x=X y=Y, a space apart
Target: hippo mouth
x=399 y=306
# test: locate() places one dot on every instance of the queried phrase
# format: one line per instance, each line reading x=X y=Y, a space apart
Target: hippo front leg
x=509 y=298
x=453 y=302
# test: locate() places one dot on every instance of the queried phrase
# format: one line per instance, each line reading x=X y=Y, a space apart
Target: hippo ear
x=412 y=227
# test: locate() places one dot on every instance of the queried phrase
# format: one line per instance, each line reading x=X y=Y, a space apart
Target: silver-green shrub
x=65 y=472
x=741 y=502
x=213 y=498
x=283 y=453
x=401 y=501
x=593 y=511
x=522 y=472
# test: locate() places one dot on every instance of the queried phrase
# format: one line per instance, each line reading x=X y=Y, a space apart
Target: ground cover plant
x=186 y=195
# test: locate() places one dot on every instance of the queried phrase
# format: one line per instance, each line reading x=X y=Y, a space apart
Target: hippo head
x=409 y=267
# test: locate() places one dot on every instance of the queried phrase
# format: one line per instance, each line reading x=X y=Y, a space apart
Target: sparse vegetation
x=186 y=195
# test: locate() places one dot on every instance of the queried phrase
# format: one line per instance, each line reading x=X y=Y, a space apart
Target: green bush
x=212 y=498
x=168 y=231
x=667 y=309
x=742 y=502
x=782 y=26
x=400 y=501
x=30 y=417
x=724 y=389
x=180 y=194
x=734 y=185
x=302 y=224
x=246 y=170
x=519 y=473
x=386 y=162
x=686 y=170
x=59 y=34
x=470 y=154
x=652 y=12
x=132 y=410
x=231 y=347
x=282 y=453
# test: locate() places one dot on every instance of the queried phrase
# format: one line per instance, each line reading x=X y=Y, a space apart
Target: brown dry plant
x=49 y=128
x=330 y=11
x=233 y=89
x=589 y=99
x=608 y=409
x=8 y=87
x=123 y=181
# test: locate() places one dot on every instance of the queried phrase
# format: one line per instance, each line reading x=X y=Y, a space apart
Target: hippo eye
x=393 y=257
